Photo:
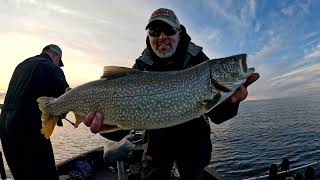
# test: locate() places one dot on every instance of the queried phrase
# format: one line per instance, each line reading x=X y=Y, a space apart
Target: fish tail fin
x=48 y=121
x=43 y=102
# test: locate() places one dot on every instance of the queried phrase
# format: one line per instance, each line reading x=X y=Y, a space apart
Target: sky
x=281 y=38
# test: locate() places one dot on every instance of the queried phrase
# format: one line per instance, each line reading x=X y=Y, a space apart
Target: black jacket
x=187 y=55
x=192 y=138
x=34 y=77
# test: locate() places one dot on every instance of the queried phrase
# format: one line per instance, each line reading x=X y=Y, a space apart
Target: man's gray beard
x=164 y=55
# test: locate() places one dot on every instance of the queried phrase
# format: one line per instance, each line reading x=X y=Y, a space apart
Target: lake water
x=264 y=132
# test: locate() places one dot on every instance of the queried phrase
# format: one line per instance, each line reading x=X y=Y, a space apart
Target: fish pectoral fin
x=210 y=103
x=48 y=121
x=111 y=72
x=80 y=117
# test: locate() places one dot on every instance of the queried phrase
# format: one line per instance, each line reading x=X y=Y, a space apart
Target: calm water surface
x=264 y=132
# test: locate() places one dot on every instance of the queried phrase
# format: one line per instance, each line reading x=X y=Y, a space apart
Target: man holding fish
x=169 y=48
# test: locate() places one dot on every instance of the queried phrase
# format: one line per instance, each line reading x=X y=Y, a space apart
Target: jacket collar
x=148 y=58
x=185 y=46
x=46 y=56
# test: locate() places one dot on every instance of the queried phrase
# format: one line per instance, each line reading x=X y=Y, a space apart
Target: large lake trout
x=133 y=99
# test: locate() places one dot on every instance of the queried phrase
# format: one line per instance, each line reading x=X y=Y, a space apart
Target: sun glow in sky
x=281 y=38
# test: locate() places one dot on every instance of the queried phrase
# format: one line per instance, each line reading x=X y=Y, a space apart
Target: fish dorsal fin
x=111 y=72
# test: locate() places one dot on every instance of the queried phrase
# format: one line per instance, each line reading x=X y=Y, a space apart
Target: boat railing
x=287 y=171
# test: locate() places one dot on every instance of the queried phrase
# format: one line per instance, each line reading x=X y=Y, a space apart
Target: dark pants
x=30 y=158
x=188 y=145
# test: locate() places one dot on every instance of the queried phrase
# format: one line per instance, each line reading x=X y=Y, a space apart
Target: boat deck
x=102 y=170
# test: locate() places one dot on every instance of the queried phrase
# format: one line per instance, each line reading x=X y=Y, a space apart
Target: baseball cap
x=164 y=15
x=55 y=49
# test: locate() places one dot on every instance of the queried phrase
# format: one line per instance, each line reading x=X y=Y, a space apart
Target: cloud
x=90 y=36
x=297 y=74
x=302 y=81
x=282 y=45
x=100 y=32
x=290 y=78
x=257 y=27
x=239 y=15
x=77 y=14
x=291 y=84
x=315 y=52
x=60 y=9
x=20 y=3
x=210 y=39
x=248 y=11
x=283 y=73
x=274 y=45
x=297 y=7
x=311 y=56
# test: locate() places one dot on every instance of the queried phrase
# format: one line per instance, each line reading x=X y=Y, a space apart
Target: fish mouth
x=242 y=58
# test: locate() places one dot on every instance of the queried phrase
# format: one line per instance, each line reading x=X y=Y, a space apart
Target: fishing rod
x=72 y=123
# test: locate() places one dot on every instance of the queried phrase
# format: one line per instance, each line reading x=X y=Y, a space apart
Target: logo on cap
x=164 y=15
x=162 y=12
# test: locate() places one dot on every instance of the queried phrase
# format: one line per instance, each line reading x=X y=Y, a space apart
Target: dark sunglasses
x=156 y=31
